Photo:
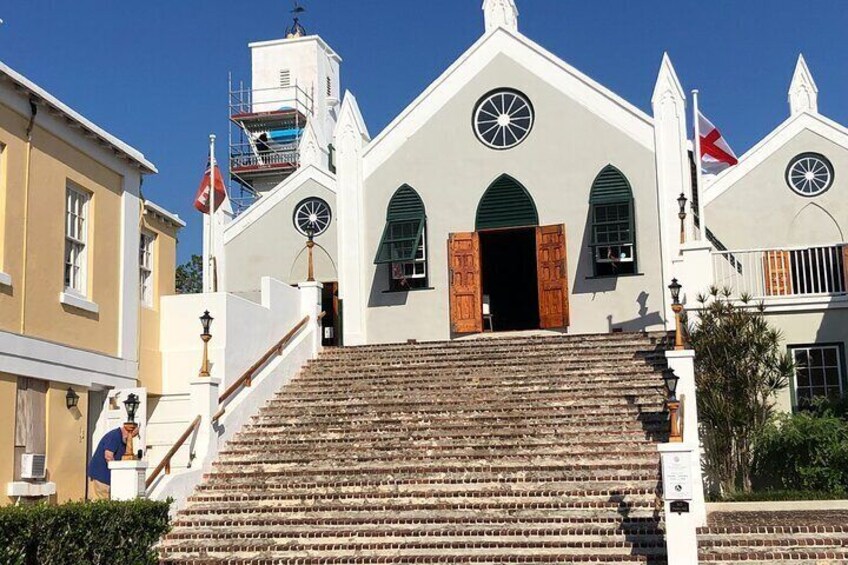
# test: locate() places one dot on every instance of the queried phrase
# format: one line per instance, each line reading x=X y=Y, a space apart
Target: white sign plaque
x=677 y=475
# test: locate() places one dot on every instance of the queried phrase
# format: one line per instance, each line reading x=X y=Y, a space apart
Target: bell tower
x=500 y=13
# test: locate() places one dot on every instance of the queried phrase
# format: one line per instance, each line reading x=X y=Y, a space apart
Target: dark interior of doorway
x=510 y=278
x=330 y=305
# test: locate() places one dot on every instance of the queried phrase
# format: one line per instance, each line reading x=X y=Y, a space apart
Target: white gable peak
x=500 y=13
x=667 y=85
x=312 y=147
x=350 y=119
x=803 y=92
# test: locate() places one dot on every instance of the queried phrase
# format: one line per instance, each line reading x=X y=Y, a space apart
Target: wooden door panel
x=552 y=266
x=466 y=288
x=777 y=269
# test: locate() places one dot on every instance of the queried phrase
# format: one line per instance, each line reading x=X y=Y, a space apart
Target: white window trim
x=5 y=279
x=839 y=367
x=75 y=301
x=82 y=291
x=146 y=297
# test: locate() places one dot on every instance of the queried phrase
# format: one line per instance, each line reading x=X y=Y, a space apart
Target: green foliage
x=804 y=451
x=779 y=496
x=190 y=276
x=739 y=367
x=97 y=533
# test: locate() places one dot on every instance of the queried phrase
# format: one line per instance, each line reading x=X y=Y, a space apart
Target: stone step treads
x=533 y=450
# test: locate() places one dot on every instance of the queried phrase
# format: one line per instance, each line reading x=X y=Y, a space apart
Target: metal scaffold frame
x=265 y=129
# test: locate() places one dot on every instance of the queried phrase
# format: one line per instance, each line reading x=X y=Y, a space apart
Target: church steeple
x=500 y=13
x=803 y=92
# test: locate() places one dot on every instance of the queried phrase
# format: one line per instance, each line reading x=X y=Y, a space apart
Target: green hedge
x=96 y=533
x=807 y=451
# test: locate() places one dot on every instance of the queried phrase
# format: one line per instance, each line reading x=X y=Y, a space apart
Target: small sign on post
x=679 y=507
x=677 y=475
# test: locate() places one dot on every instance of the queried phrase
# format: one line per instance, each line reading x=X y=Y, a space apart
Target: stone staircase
x=533 y=450
x=797 y=537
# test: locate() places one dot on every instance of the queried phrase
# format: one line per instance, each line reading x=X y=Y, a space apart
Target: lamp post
x=71 y=399
x=131 y=403
x=681 y=202
x=310 y=244
x=206 y=321
x=677 y=308
x=671 y=380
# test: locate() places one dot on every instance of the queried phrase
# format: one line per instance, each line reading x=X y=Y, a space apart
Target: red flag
x=716 y=154
x=201 y=200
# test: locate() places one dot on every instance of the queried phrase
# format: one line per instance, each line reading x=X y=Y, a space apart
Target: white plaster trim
x=116 y=143
x=80 y=303
x=305 y=39
x=277 y=195
x=169 y=216
x=5 y=279
x=781 y=135
x=24 y=489
x=777 y=506
x=547 y=66
x=31 y=357
x=776 y=305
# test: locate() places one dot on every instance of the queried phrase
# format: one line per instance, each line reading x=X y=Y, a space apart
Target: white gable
x=803 y=92
x=632 y=121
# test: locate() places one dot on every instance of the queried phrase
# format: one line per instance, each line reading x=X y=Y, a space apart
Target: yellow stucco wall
x=164 y=268
x=8 y=393
x=53 y=164
x=67 y=444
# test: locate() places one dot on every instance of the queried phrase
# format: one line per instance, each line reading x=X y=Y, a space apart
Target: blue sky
x=154 y=73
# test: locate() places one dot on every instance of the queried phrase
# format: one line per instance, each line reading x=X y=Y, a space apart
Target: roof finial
x=296 y=29
x=803 y=92
x=500 y=13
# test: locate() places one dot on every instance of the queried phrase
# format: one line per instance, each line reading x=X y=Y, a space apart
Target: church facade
x=516 y=193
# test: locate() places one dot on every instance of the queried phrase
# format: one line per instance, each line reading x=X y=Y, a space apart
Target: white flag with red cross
x=716 y=154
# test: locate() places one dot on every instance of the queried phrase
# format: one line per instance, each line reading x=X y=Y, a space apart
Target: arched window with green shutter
x=613 y=224
x=506 y=204
x=403 y=246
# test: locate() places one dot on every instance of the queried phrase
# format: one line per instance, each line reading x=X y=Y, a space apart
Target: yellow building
x=83 y=262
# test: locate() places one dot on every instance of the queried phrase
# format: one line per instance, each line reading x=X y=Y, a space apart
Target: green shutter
x=610 y=186
x=405 y=220
x=506 y=204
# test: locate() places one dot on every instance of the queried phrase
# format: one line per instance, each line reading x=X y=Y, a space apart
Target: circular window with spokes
x=312 y=214
x=503 y=118
x=810 y=174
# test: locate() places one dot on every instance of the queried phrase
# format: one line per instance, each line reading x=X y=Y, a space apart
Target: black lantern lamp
x=206 y=321
x=671 y=380
x=131 y=404
x=681 y=201
x=310 y=244
x=71 y=399
x=675 y=287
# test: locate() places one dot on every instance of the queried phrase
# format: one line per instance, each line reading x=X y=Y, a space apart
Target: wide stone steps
x=521 y=450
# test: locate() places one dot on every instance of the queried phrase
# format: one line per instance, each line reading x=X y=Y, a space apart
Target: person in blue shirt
x=111 y=448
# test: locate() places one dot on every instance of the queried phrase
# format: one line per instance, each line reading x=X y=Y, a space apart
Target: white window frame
x=146 y=250
x=77 y=206
x=827 y=386
x=416 y=269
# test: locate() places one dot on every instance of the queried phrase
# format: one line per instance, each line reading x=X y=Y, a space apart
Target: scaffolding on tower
x=265 y=129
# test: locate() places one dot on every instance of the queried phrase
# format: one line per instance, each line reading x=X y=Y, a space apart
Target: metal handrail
x=246 y=379
x=165 y=464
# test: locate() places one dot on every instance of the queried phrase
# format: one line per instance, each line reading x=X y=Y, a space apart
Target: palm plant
x=740 y=366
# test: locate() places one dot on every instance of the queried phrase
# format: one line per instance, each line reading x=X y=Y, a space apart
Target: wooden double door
x=466 y=283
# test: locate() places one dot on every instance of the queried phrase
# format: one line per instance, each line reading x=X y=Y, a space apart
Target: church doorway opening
x=509 y=279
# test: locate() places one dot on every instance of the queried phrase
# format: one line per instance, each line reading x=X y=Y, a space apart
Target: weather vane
x=296 y=29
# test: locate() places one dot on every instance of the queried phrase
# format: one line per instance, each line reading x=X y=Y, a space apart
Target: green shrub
x=97 y=533
x=807 y=451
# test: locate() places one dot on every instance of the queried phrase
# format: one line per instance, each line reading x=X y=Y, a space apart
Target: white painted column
x=310 y=305
x=683 y=484
x=128 y=480
x=203 y=402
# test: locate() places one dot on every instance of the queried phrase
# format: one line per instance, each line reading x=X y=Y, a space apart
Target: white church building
x=517 y=193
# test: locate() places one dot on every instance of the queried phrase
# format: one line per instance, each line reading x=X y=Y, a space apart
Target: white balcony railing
x=788 y=272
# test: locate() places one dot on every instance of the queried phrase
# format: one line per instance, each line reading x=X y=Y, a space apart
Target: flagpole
x=213 y=275
x=699 y=173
